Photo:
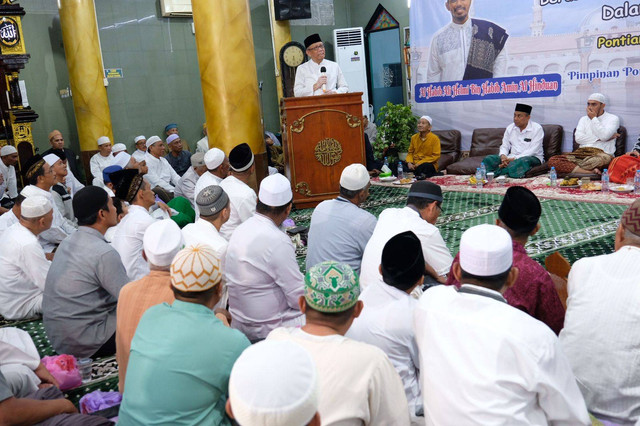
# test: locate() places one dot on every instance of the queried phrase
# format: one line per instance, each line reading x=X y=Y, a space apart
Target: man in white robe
x=160 y=175
x=217 y=169
x=140 y=143
x=101 y=159
x=236 y=185
x=318 y=76
x=187 y=184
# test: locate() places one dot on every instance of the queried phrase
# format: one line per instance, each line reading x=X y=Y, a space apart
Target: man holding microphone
x=318 y=76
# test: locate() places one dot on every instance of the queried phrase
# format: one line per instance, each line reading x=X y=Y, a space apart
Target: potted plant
x=396 y=125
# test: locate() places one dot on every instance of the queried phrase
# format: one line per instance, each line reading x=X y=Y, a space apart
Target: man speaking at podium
x=318 y=76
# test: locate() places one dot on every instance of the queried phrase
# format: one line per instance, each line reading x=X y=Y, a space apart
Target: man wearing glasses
x=318 y=76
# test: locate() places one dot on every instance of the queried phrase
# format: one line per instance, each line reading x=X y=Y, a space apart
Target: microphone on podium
x=323 y=72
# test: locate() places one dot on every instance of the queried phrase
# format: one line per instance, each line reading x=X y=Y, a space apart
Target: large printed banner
x=473 y=60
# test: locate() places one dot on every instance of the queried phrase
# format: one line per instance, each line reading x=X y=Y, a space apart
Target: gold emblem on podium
x=328 y=151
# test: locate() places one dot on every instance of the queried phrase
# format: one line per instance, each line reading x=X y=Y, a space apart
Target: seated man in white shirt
x=318 y=76
x=141 y=148
x=160 y=174
x=358 y=384
x=263 y=276
x=101 y=159
x=274 y=383
x=484 y=361
x=22 y=260
x=596 y=134
x=12 y=216
x=236 y=185
x=217 y=169
x=521 y=148
x=423 y=208
x=187 y=184
x=8 y=181
x=603 y=348
x=387 y=318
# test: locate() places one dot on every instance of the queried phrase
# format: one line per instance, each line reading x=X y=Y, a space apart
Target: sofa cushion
x=467 y=166
x=450 y=141
x=551 y=145
x=486 y=141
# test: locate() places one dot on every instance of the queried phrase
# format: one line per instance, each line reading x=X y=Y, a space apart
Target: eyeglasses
x=317 y=47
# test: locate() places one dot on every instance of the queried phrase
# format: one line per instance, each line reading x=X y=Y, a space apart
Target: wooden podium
x=322 y=136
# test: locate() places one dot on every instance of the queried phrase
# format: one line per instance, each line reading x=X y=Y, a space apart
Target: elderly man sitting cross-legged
x=182 y=354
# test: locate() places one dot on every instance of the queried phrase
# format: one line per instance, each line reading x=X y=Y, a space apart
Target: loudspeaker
x=292 y=9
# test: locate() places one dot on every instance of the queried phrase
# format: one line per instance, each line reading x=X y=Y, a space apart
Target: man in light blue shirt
x=339 y=228
x=182 y=354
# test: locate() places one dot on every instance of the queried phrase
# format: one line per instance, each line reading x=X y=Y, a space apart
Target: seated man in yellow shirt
x=424 y=150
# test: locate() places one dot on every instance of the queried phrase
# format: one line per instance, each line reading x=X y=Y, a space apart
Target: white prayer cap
x=354 y=177
x=103 y=140
x=30 y=190
x=213 y=158
x=197 y=159
x=51 y=159
x=274 y=383
x=426 y=117
x=7 y=150
x=122 y=160
x=162 y=241
x=172 y=137
x=35 y=206
x=598 y=97
x=119 y=147
x=139 y=138
x=485 y=250
x=152 y=140
x=275 y=190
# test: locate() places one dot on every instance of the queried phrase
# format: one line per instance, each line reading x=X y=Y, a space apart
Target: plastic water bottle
x=605 y=180
x=386 y=162
x=479 y=178
x=483 y=169
x=400 y=170
x=636 y=183
x=553 y=177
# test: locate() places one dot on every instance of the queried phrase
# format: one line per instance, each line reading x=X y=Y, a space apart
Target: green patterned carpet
x=574 y=229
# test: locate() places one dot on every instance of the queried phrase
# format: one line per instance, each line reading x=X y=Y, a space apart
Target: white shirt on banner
x=603 y=349
x=485 y=362
x=598 y=132
x=449 y=52
x=525 y=143
x=308 y=74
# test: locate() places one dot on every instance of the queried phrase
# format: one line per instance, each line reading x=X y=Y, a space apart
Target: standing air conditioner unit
x=349 y=45
x=176 y=8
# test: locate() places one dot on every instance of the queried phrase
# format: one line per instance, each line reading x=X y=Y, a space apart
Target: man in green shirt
x=182 y=353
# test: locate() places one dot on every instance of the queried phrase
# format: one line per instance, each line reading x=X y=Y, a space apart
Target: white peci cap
x=139 y=138
x=274 y=382
x=213 y=158
x=119 y=147
x=103 y=140
x=35 y=206
x=275 y=190
x=51 y=159
x=152 y=140
x=122 y=160
x=162 y=241
x=7 y=150
x=172 y=137
x=598 y=97
x=485 y=250
x=426 y=117
x=354 y=177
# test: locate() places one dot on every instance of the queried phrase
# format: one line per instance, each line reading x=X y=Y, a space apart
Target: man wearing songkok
x=140 y=143
x=22 y=261
x=521 y=148
x=217 y=169
x=46 y=406
x=160 y=175
x=56 y=140
x=533 y=292
x=357 y=382
x=101 y=159
x=41 y=178
x=467 y=48
x=177 y=158
x=243 y=198
x=84 y=280
x=274 y=383
x=387 y=318
x=187 y=183
x=603 y=348
x=339 y=228
x=203 y=144
x=596 y=134
x=162 y=241
x=485 y=361
x=128 y=238
x=12 y=216
x=20 y=363
x=8 y=181
x=60 y=192
x=424 y=202
x=318 y=76
x=263 y=277
x=182 y=353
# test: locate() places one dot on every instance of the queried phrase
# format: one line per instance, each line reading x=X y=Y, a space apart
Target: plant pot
x=402 y=156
